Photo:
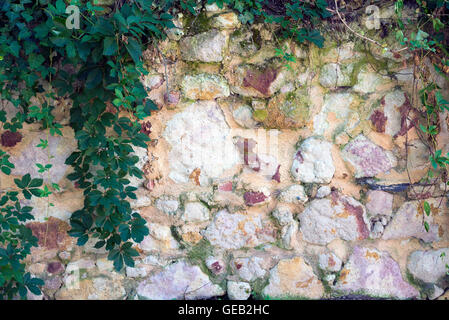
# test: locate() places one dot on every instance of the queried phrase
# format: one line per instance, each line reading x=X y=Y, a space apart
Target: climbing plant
x=428 y=42
x=91 y=54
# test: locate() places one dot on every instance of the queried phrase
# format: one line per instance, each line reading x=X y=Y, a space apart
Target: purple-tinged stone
x=368 y=158
x=374 y=273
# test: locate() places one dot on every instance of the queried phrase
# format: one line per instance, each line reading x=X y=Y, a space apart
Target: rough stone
x=228 y=20
x=159 y=239
x=374 y=273
x=204 y=86
x=313 y=162
x=409 y=222
x=335 y=75
x=342 y=217
x=234 y=231
x=368 y=158
x=429 y=266
x=323 y=192
x=167 y=205
x=250 y=269
x=243 y=115
x=238 y=290
x=392 y=102
x=379 y=203
x=367 y=81
x=200 y=140
x=206 y=47
x=341 y=104
x=195 y=212
x=58 y=147
x=178 y=281
x=329 y=262
x=293 y=278
x=293 y=194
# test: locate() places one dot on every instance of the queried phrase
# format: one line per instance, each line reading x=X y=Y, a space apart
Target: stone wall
x=261 y=179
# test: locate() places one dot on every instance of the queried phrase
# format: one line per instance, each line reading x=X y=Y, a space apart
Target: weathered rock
x=253 y=198
x=199 y=139
x=293 y=278
x=392 y=102
x=250 y=269
x=429 y=266
x=204 y=86
x=289 y=229
x=323 y=192
x=160 y=238
x=335 y=75
x=293 y=194
x=178 y=281
x=379 y=203
x=167 y=205
x=342 y=217
x=238 y=290
x=374 y=273
x=107 y=289
x=409 y=222
x=368 y=158
x=258 y=81
x=342 y=105
x=313 y=162
x=58 y=147
x=367 y=81
x=243 y=115
x=329 y=262
x=228 y=20
x=234 y=231
x=207 y=47
x=195 y=212
x=288 y=110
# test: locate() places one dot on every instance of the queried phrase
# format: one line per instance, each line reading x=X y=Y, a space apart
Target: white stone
x=200 y=139
x=367 y=81
x=168 y=206
x=238 y=290
x=325 y=220
x=293 y=194
x=329 y=262
x=372 y=272
x=323 y=192
x=250 y=269
x=408 y=222
x=283 y=215
x=195 y=212
x=178 y=281
x=159 y=239
x=293 y=278
x=367 y=158
x=206 y=47
x=335 y=75
x=243 y=115
x=204 y=86
x=234 y=231
x=313 y=162
x=393 y=101
x=429 y=266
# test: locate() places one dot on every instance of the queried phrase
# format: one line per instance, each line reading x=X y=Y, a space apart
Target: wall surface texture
x=261 y=179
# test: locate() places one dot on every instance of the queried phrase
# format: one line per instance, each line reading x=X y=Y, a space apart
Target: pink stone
x=368 y=158
x=379 y=203
x=227 y=186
